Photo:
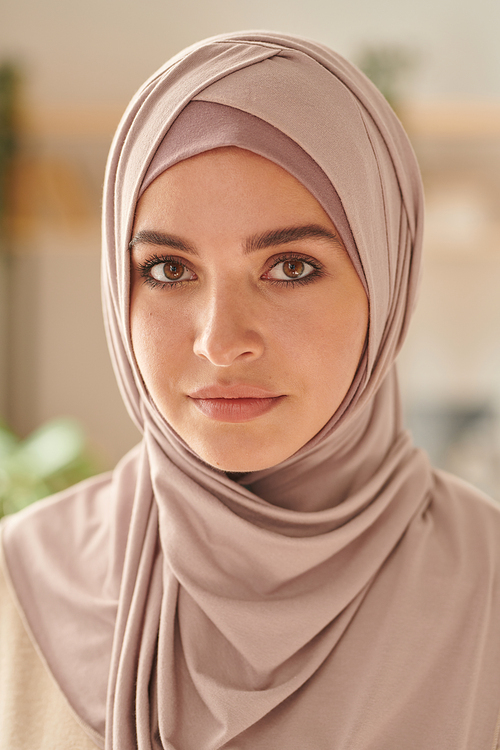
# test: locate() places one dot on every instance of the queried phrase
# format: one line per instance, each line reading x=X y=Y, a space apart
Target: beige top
x=34 y=714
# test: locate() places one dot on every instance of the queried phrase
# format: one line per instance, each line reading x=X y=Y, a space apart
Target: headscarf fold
x=180 y=609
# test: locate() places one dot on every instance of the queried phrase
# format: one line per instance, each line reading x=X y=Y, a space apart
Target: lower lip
x=235 y=409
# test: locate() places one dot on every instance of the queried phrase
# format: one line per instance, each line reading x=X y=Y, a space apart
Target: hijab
x=178 y=608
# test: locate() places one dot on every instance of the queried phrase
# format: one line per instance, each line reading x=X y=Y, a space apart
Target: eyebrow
x=272 y=238
x=148 y=237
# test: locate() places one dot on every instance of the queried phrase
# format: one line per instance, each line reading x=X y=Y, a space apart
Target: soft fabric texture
x=177 y=608
x=202 y=126
x=33 y=711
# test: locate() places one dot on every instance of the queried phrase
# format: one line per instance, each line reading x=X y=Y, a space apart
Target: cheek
x=326 y=340
x=158 y=343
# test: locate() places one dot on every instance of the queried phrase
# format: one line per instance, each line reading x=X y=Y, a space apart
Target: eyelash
x=155 y=260
x=293 y=283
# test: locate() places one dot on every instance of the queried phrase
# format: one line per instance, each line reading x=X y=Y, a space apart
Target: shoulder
x=58 y=555
x=68 y=529
x=457 y=498
x=84 y=497
x=464 y=523
x=88 y=502
x=33 y=711
x=55 y=532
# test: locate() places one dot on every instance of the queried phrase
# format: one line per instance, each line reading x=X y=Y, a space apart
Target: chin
x=238 y=461
x=238 y=465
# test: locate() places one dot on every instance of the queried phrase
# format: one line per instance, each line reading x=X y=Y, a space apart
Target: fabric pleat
x=181 y=609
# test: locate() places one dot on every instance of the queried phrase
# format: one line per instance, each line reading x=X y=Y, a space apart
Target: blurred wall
x=92 y=51
x=81 y=62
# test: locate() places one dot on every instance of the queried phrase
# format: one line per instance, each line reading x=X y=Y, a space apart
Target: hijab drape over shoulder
x=179 y=609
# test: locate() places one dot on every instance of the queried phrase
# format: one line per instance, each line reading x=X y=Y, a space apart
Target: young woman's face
x=248 y=319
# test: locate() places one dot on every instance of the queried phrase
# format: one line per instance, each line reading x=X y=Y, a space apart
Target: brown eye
x=290 y=270
x=172 y=270
x=293 y=268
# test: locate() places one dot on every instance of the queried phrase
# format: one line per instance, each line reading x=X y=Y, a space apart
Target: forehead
x=230 y=184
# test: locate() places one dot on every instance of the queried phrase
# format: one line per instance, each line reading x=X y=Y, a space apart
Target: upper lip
x=233 y=391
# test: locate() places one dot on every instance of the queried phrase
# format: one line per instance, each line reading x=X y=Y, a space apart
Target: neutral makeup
x=247 y=316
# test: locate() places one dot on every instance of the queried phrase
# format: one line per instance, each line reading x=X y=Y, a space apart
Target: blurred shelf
x=460 y=118
x=452 y=119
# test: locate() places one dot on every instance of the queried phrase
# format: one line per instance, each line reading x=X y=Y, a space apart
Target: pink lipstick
x=235 y=403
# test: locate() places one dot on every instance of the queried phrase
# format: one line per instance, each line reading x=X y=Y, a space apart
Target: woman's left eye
x=290 y=269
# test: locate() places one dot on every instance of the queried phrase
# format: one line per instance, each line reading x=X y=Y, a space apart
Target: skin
x=238 y=318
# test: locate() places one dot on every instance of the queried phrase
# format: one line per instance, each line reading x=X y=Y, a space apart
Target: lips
x=233 y=391
x=234 y=403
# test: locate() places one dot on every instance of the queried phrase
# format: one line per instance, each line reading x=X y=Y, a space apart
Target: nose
x=229 y=328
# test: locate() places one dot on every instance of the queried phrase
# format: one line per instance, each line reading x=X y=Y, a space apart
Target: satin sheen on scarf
x=179 y=609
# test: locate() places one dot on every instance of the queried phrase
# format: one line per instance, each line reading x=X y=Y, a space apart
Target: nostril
x=223 y=345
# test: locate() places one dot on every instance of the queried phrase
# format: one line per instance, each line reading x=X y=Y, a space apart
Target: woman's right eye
x=170 y=271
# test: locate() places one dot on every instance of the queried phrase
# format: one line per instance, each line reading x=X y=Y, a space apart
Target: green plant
x=388 y=66
x=51 y=459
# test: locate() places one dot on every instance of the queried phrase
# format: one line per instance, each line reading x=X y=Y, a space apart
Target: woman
x=275 y=565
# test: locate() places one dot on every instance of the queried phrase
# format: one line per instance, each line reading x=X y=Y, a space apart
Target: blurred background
x=68 y=69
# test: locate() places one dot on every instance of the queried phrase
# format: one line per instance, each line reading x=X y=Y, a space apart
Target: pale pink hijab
x=179 y=609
